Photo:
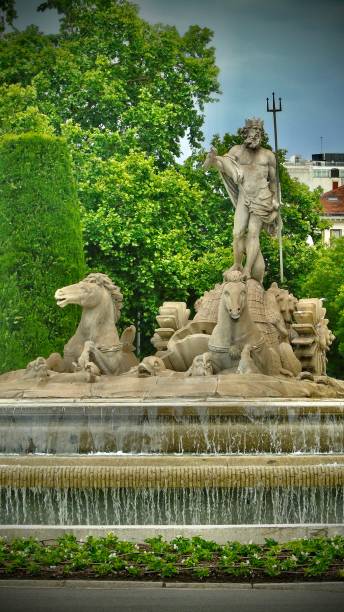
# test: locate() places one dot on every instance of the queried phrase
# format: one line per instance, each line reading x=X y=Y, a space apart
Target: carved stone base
x=14 y=385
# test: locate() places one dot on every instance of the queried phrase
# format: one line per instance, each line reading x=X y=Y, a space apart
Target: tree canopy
x=108 y=69
x=326 y=280
x=123 y=93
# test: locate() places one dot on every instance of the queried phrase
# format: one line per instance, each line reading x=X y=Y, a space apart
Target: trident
x=275 y=110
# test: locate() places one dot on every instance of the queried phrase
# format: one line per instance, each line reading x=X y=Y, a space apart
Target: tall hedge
x=40 y=246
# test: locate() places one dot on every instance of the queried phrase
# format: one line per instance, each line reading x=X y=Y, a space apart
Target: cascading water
x=108 y=506
x=296 y=427
x=228 y=463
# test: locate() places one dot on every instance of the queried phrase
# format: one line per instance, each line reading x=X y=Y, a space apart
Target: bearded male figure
x=249 y=173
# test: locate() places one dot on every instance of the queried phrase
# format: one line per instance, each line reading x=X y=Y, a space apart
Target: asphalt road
x=98 y=598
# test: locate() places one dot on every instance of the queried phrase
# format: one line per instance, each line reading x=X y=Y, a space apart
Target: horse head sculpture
x=234 y=325
x=234 y=295
x=286 y=302
x=93 y=290
x=96 y=339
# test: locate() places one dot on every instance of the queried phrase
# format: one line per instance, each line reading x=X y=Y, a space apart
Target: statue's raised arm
x=230 y=172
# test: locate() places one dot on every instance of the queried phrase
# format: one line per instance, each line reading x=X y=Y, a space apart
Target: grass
x=193 y=559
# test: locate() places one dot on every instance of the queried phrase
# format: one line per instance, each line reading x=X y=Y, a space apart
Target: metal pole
x=275 y=110
x=138 y=334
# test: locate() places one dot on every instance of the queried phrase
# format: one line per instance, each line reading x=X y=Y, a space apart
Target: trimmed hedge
x=40 y=246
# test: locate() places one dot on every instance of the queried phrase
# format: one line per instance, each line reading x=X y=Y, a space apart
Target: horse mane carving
x=233 y=276
x=102 y=280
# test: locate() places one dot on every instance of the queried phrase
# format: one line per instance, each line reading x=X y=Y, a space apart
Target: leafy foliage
x=326 y=280
x=40 y=246
x=24 y=54
x=109 y=69
x=7 y=13
x=19 y=112
x=123 y=93
x=194 y=558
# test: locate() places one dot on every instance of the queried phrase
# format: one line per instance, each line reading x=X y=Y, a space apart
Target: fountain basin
x=181 y=426
x=179 y=462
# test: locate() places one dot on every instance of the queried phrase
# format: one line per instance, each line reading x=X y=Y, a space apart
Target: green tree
x=40 y=246
x=7 y=14
x=326 y=280
x=19 y=112
x=108 y=69
x=123 y=93
x=149 y=229
x=25 y=54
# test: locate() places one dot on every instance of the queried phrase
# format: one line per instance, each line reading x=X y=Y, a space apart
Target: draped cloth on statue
x=260 y=203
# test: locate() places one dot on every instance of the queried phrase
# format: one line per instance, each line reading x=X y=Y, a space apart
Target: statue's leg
x=56 y=363
x=220 y=361
x=258 y=269
x=85 y=356
x=109 y=362
x=252 y=243
x=241 y=219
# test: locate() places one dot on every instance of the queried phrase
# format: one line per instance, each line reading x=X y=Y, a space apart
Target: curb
x=127 y=584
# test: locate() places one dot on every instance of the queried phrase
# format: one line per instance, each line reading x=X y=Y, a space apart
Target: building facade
x=325 y=170
x=333 y=205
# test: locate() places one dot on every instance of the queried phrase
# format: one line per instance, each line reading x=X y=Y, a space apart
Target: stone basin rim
x=168 y=459
x=177 y=402
x=247 y=533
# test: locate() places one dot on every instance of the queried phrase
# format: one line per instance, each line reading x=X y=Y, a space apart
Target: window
x=321 y=173
x=334 y=172
x=335 y=233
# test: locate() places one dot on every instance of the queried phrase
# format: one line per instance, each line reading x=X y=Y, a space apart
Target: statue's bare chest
x=255 y=160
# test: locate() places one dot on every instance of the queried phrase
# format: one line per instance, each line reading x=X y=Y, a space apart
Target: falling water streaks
x=171 y=434
x=175 y=506
x=210 y=463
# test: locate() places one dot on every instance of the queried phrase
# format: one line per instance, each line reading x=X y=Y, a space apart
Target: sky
x=292 y=47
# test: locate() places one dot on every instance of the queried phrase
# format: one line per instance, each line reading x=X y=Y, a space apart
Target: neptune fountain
x=232 y=423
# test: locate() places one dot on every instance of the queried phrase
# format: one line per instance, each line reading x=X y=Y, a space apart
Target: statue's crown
x=254 y=122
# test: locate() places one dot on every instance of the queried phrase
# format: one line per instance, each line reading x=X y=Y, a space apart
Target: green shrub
x=181 y=558
x=40 y=246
